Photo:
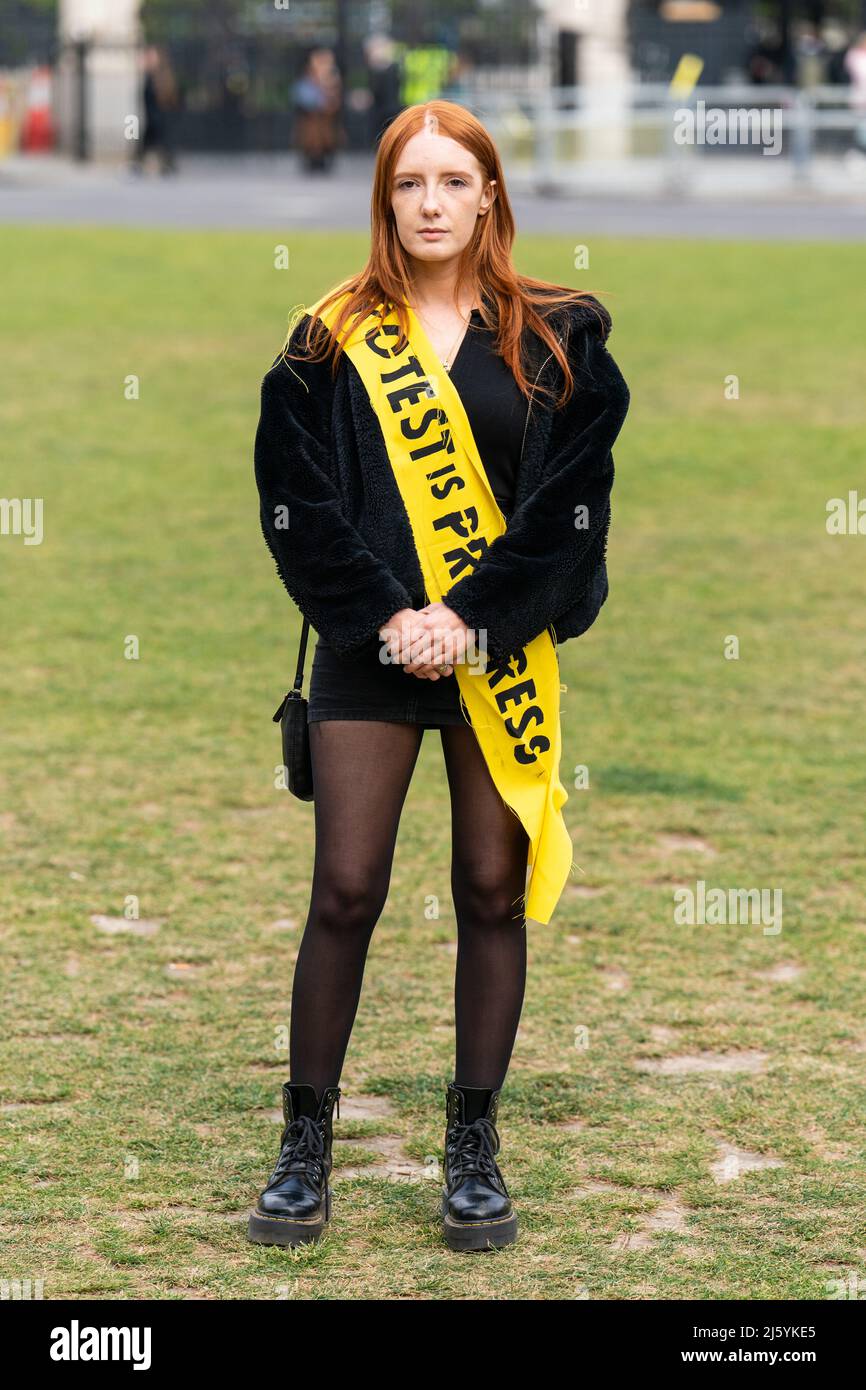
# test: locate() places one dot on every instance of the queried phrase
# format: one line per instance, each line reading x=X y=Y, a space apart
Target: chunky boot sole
x=286 y=1230
x=477 y=1235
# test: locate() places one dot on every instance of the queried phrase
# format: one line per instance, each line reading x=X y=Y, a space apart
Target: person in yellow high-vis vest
x=434 y=468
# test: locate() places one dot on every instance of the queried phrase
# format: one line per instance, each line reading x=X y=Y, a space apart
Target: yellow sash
x=513 y=709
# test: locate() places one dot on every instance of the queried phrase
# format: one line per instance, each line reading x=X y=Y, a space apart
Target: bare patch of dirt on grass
x=114 y=926
x=669 y=1215
x=783 y=973
x=745 y=1061
x=672 y=842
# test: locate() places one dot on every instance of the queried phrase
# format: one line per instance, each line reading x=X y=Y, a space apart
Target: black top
x=495 y=407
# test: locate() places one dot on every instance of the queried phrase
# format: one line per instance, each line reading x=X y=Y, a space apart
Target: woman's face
x=438 y=194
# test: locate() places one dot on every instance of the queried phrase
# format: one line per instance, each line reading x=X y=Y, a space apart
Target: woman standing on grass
x=434 y=466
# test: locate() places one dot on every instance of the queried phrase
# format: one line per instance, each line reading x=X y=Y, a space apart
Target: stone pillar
x=603 y=68
x=110 y=31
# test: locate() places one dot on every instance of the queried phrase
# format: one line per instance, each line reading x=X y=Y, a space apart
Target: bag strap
x=302 y=652
x=295 y=692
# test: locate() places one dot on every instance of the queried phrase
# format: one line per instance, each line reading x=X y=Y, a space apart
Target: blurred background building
x=561 y=80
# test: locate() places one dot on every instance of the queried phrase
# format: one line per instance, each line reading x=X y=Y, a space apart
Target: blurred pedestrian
x=160 y=100
x=836 y=40
x=317 y=97
x=811 y=56
x=384 y=78
x=855 y=66
x=764 y=62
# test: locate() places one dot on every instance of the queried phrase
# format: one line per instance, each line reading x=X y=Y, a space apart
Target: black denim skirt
x=361 y=686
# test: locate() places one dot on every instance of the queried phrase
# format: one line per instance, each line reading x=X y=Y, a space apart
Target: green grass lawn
x=142 y=1071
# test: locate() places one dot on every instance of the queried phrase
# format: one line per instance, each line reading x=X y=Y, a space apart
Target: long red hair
x=514 y=301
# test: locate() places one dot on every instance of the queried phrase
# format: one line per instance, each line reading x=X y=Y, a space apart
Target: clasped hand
x=424 y=639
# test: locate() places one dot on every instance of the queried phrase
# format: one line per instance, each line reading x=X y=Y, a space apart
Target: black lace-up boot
x=476 y=1209
x=296 y=1203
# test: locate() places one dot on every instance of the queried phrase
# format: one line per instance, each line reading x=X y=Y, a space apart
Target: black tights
x=362 y=771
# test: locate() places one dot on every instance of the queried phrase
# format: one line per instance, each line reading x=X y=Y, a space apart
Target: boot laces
x=472 y=1151
x=302 y=1149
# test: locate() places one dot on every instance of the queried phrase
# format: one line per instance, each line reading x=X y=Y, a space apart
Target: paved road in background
x=272 y=193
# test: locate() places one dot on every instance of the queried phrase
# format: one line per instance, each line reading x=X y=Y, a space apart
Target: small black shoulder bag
x=292 y=719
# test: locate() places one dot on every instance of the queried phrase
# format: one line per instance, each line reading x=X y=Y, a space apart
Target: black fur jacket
x=336 y=525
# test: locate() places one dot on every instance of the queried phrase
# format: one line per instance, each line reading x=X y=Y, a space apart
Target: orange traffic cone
x=37 y=128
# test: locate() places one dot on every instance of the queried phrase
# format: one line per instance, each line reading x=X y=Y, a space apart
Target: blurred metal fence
x=554 y=133
x=234 y=100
